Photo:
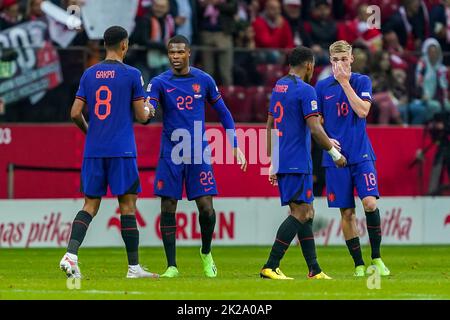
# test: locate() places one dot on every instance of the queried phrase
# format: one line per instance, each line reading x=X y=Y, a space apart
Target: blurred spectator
x=410 y=23
x=431 y=79
x=358 y=30
x=10 y=14
x=321 y=31
x=216 y=19
x=34 y=11
x=186 y=18
x=244 y=69
x=361 y=60
x=143 y=8
x=254 y=8
x=440 y=26
x=292 y=13
x=152 y=31
x=389 y=90
x=400 y=58
x=271 y=29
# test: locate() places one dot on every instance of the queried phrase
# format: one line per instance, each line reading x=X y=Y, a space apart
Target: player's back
x=109 y=88
x=292 y=102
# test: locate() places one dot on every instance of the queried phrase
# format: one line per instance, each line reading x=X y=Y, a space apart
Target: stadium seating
x=271 y=73
x=238 y=101
x=260 y=102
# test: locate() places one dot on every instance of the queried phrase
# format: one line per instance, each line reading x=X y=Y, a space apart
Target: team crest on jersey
x=331 y=197
x=196 y=87
x=314 y=105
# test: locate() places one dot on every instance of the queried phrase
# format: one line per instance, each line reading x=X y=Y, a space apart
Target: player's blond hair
x=340 y=46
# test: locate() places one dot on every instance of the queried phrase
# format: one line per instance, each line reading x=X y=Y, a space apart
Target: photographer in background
x=439 y=129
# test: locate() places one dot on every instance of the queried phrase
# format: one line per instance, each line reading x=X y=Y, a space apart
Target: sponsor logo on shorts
x=309 y=193
x=160 y=184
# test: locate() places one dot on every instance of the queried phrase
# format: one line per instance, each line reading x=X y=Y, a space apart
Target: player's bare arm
x=76 y=114
x=342 y=74
x=324 y=142
x=143 y=110
x=269 y=127
x=228 y=124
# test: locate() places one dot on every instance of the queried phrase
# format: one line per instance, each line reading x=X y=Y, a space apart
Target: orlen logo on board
x=447 y=220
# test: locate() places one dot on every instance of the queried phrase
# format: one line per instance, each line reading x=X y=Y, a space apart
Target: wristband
x=335 y=155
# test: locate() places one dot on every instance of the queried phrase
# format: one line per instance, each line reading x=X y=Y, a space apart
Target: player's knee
x=348 y=215
x=369 y=204
x=303 y=215
x=205 y=206
x=127 y=208
x=206 y=211
x=168 y=204
x=91 y=208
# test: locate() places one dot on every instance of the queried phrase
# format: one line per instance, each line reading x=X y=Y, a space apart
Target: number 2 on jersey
x=105 y=102
x=278 y=106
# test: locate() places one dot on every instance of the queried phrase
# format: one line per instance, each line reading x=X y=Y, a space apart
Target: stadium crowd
x=244 y=43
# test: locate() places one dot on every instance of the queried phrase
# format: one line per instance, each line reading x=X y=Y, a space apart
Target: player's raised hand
x=341 y=162
x=341 y=73
x=240 y=157
x=336 y=144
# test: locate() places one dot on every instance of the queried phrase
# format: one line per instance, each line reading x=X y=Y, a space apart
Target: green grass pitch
x=418 y=272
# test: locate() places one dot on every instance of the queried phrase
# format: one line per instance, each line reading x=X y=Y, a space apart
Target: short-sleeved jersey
x=183 y=101
x=341 y=122
x=109 y=89
x=292 y=102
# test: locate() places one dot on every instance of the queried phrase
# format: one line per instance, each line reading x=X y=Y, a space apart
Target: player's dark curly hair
x=114 y=35
x=179 y=39
x=300 y=55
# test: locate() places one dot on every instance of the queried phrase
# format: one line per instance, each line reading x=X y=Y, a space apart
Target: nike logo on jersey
x=370 y=189
x=208 y=189
x=329 y=97
x=170 y=90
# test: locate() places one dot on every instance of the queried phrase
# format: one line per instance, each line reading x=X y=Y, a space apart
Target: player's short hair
x=340 y=46
x=300 y=55
x=179 y=39
x=114 y=35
